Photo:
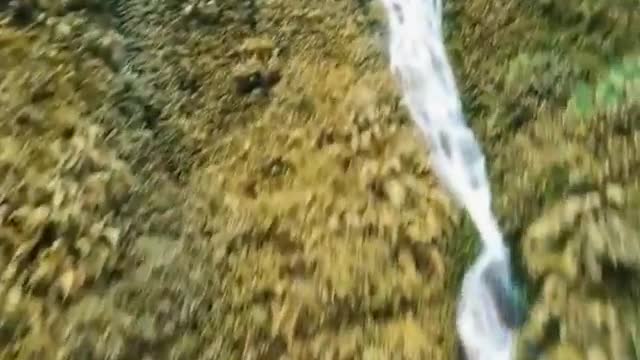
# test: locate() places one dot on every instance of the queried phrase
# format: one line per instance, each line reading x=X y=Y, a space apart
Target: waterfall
x=486 y=316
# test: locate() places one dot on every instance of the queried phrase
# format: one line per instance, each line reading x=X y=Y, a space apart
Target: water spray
x=486 y=315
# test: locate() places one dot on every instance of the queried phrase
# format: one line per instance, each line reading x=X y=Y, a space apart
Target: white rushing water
x=486 y=317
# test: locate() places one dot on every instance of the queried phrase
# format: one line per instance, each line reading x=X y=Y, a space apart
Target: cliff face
x=236 y=179
x=553 y=89
x=276 y=202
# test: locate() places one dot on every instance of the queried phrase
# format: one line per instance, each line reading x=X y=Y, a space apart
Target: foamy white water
x=485 y=317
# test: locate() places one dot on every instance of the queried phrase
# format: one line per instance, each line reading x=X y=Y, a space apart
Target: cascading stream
x=486 y=315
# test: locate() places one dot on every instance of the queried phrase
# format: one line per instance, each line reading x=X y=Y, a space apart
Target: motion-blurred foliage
x=619 y=84
x=235 y=179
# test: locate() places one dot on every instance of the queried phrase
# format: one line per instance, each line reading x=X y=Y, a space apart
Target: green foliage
x=599 y=26
x=544 y=74
x=619 y=85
